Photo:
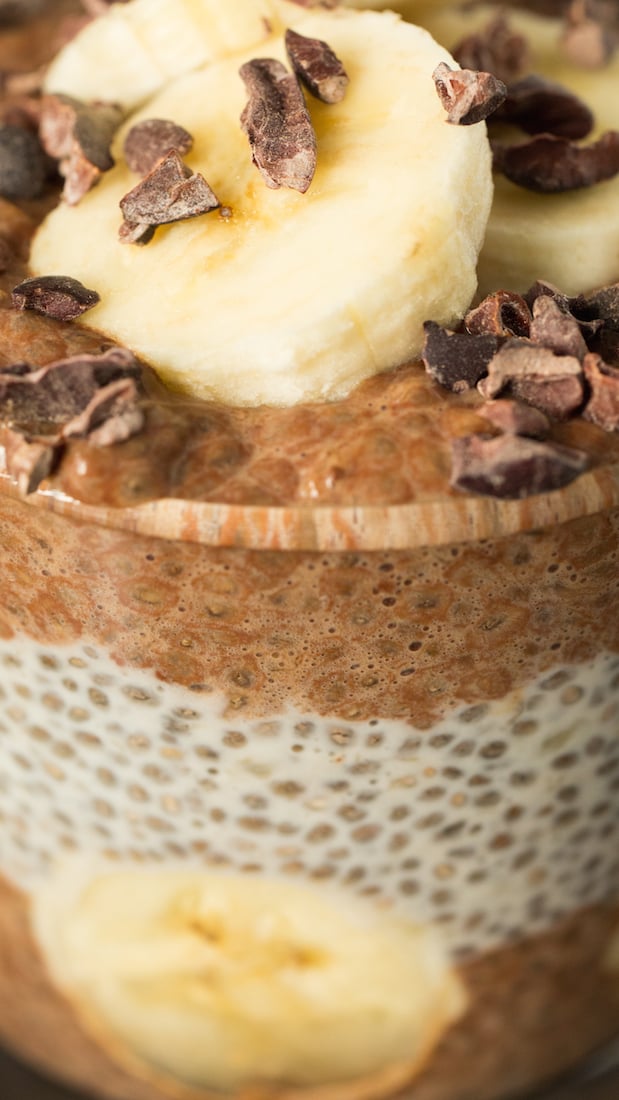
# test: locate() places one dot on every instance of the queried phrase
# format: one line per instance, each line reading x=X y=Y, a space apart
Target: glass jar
x=310 y=801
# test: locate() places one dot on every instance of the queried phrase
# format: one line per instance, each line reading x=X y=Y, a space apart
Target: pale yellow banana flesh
x=134 y=49
x=295 y=297
x=571 y=239
x=222 y=980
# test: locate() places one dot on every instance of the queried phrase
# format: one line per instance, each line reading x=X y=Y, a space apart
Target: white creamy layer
x=494 y=823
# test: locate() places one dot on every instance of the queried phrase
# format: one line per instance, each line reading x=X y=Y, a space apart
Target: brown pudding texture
x=354 y=635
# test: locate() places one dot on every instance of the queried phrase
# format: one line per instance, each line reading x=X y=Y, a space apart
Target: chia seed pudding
x=273 y=651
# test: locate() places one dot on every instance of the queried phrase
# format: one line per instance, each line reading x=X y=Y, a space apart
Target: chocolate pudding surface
x=369 y=470
x=388 y=443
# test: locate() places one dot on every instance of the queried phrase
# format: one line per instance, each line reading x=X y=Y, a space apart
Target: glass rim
x=429 y=523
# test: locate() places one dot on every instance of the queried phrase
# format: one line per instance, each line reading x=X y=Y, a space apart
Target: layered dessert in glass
x=309 y=710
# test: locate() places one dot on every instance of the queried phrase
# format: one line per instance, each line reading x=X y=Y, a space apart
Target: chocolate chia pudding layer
x=273 y=652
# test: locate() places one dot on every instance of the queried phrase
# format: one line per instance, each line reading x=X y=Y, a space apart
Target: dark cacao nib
x=456 y=360
x=503 y=313
x=556 y=328
x=169 y=193
x=559 y=396
x=467 y=96
x=148 y=141
x=512 y=467
x=278 y=126
x=45 y=399
x=92 y=396
x=551 y=164
x=111 y=415
x=539 y=106
x=317 y=67
x=540 y=288
x=601 y=305
x=549 y=382
x=597 y=314
x=56 y=296
x=78 y=135
x=23 y=164
x=607 y=345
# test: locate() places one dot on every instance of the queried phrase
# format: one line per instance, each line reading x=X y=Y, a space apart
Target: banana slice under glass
x=223 y=980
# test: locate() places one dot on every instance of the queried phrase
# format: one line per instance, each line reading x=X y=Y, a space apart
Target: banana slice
x=224 y=981
x=295 y=297
x=412 y=10
x=570 y=239
x=135 y=48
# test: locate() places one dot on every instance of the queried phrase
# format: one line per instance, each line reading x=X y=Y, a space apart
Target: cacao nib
x=317 y=67
x=278 y=126
x=539 y=106
x=456 y=360
x=111 y=416
x=23 y=164
x=467 y=96
x=551 y=164
x=169 y=193
x=44 y=400
x=556 y=328
x=602 y=304
x=93 y=396
x=512 y=467
x=78 y=136
x=148 y=141
x=56 y=296
x=503 y=313
x=136 y=233
x=549 y=382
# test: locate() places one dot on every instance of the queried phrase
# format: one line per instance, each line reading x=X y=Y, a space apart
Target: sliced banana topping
x=570 y=239
x=294 y=296
x=223 y=980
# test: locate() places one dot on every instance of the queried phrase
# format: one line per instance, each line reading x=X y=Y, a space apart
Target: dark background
x=17 y=1083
